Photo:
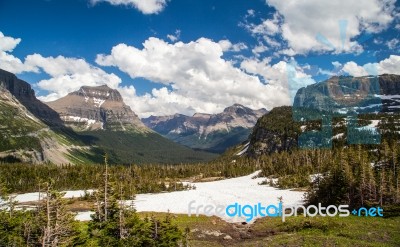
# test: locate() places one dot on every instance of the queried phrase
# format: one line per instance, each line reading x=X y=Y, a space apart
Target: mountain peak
x=98 y=107
x=235 y=107
x=104 y=86
x=23 y=91
x=102 y=92
x=243 y=110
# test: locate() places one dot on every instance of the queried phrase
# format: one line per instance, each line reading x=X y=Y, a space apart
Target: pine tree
x=58 y=227
x=117 y=224
x=169 y=234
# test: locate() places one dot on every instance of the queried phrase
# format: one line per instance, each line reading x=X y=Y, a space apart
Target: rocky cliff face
x=24 y=93
x=94 y=108
x=362 y=94
x=279 y=130
x=212 y=132
x=274 y=132
x=30 y=131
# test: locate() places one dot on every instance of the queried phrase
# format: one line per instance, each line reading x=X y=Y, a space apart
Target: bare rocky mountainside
x=364 y=94
x=211 y=132
x=373 y=101
x=79 y=128
x=94 y=108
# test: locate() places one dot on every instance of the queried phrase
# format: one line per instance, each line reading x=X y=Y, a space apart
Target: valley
x=90 y=157
x=80 y=128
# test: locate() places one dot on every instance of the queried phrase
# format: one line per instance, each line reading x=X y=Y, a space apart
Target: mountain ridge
x=33 y=132
x=24 y=93
x=30 y=130
x=211 y=132
x=362 y=94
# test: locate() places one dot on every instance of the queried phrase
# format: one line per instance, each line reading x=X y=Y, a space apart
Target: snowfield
x=241 y=190
x=31 y=197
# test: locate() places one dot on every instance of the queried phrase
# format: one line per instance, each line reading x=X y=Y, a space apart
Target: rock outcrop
x=94 y=108
x=24 y=93
x=274 y=132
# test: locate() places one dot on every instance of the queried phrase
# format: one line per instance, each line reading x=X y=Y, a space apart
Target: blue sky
x=186 y=56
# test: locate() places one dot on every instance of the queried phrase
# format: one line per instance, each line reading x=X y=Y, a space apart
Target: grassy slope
x=17 y=131
x=20 y=132
x=216 y=142
x=139 y=148
x=296 y=231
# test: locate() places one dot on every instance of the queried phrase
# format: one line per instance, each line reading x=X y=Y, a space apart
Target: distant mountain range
x=209 y=132
x=85 y=124
x=79 y=128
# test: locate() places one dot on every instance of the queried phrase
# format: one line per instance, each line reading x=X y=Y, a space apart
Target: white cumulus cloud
x=196 y=77
x=267 y=27
x=68 y=75
x=303 y=20
x=144 y=6
x=8 y=61
x=285 y=78
x=393 y=43
x=390 y=65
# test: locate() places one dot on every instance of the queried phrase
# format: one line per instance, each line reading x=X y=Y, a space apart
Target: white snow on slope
x=243 y=190
x=245 y=148
x=98 y=102
x=31 y=197
x=338 y=136
x=388 y=96
x=372 y=126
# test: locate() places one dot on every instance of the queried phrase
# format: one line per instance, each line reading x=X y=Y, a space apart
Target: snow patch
x=31 y=197
x=80 y=120
x=98 y=102
x=245 y=148
x=338 y=136
x=84 y=216
x=372 y=126
x=387 y=96
x=91 y=121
